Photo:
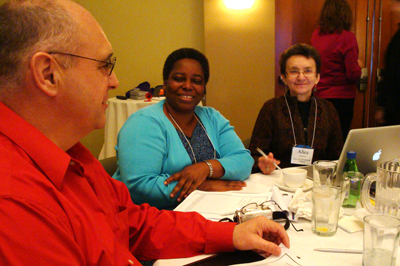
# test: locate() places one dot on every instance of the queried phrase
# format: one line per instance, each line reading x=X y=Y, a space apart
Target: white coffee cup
x=294 y=177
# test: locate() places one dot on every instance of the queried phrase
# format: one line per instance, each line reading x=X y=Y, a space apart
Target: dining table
x=302 y=243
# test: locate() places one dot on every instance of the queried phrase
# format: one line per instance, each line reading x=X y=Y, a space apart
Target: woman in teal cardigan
x=169 y=149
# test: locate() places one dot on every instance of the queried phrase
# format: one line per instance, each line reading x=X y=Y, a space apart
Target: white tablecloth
x=302 y=243
x=117 y=113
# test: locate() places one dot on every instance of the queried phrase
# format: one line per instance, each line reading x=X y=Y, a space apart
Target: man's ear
x=44 y=72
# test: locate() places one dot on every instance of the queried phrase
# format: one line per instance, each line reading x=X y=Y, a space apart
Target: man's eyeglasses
x=266 y=205
x=296 y=73
x=109 y=64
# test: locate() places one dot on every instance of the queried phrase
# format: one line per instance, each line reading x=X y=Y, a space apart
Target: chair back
x=246 y=143
x=110 y=164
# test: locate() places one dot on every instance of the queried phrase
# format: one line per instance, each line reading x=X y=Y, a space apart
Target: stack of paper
x=218 y=205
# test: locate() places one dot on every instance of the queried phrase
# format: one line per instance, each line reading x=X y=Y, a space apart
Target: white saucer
x=307 y=186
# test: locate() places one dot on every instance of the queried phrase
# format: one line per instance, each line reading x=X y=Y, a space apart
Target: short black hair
x=186 y=53
x=303 y=49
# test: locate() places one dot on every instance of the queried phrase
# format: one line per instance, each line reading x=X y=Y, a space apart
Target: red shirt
x=340 y=72
x=62 y=208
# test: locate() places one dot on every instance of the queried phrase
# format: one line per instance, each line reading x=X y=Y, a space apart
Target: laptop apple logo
x=377 y=155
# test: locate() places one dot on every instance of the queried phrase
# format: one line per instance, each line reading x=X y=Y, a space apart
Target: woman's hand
x=221 y=185
x=260 y=234
x=188 y=179
x=266 y=165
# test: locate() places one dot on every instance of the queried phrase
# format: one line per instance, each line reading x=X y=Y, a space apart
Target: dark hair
x=336 y=16
x=186 y=53
x=300 y=49
x=29 y=26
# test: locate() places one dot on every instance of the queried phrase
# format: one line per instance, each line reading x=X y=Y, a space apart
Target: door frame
x=374 y=25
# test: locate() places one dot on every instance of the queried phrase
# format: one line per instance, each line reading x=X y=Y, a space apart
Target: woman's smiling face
x=185 y=86
x=301 y=76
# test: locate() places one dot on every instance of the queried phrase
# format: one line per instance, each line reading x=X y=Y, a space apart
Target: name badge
x=302 y=155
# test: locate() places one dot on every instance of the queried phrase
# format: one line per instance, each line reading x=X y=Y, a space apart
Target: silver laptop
x=373 y=145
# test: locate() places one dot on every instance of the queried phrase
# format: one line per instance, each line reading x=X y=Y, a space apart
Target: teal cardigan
x=149 y=150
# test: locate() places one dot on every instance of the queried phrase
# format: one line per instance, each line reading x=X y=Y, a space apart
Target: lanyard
x=291 y=120
x=201 y=124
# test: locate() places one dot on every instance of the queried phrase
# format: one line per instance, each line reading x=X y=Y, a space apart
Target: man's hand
x=260 y=234
x=266 y=165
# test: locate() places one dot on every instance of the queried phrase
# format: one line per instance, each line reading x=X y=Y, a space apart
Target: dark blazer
x=273 y=130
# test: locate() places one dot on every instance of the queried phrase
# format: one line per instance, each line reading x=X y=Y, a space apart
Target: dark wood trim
x=283 y=23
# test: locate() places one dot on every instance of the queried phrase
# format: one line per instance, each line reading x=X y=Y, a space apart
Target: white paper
x=350 y=224
x=278 y=198
x=302 y=156
x=287 y=258
x=217 y=205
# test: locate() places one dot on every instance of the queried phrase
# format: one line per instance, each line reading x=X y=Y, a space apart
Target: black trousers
x=345 y=108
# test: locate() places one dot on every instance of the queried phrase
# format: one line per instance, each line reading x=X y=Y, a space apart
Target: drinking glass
x=325 y=212
x=325 y=174
x=381 y=240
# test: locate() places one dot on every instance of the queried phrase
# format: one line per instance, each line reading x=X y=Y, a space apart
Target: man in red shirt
x=58 y=206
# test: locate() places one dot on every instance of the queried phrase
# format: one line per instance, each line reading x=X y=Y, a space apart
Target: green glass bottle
x=351 y=181
x=351 y=164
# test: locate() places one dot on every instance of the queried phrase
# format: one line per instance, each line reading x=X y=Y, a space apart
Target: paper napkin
x=300 y=206
x=350 y=224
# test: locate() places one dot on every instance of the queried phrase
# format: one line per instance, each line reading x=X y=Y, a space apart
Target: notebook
x=373 y=145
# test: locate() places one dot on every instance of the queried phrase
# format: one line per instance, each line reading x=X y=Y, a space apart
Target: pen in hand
x=263 y=154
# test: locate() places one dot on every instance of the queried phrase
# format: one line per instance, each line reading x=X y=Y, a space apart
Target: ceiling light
x=239 y=4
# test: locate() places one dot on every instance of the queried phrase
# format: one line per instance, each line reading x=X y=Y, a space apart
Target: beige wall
x=143 y=33
x=240 y=46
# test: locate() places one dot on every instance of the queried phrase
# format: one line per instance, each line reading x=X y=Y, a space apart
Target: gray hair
x=30 y=26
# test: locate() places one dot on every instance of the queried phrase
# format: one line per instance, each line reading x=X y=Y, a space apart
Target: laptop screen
x=373 y=145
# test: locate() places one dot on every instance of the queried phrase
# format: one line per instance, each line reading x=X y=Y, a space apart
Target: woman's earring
x=315 y=88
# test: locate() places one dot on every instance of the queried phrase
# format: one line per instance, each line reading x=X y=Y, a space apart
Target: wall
x=240 y=46
x=143 y=33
